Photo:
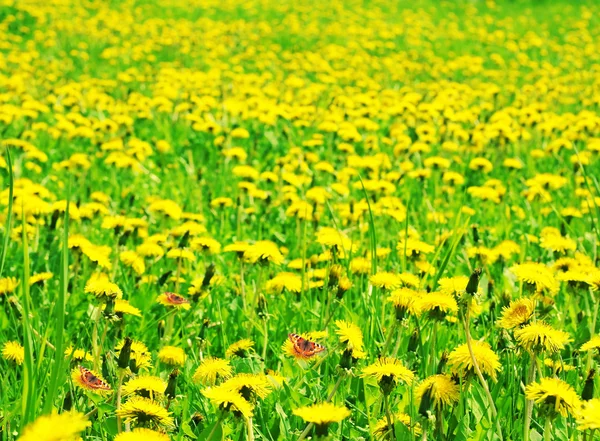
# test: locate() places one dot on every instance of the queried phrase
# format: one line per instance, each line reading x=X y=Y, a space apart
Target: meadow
x=287 y=220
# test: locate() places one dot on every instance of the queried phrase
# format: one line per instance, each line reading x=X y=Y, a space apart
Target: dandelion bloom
x=518 y=313
x=405 y=300
x=437 y=305
x=228 y=399
x=304 y=346
x=124 y=307
x=382 y=428
x=536 y=275
x=237 y=247
x=284 y=280
x=56 y=427
x=351 y=336
x=78 y=355
x=593 y=343
x=440 y=389
x=460 y=360
x=538 y=337
x=134 y=261
x=145 y=412
x=555 y=395
x=140 y=356
x=263 y=251
x=589 y=415
x=100 y=285
x=212 y=368
x=142 y=434
x=239 y=348
x=40 y=277
x=13 y=351
x=145 y=385
x=388 y=372
x=174 y=300
x=414 y=247
x=181 y=253
x=172 y=356
x=322 y=414
x=249 y=385
x=385 y=280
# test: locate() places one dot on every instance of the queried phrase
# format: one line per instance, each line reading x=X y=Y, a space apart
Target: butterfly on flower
x=91 y=381
x=176 y=299
x=303 y=348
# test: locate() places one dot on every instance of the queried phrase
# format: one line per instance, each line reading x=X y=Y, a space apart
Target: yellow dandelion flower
x=142 y=434
x=40 y=278
x=284 y=280
x=237 y=247
x=388 y=372
x=385 y=280
x=123 y=307
x=539 y=337
x=13 y=351
x=440 y=389
x=147 y=412
x=100 y=285
x=554 y=395
x=414 y=247
x=78 y=355
x=382 y=429
x=537 y=275
x=229 y=400
x=181 y=253
x=134 y=261
x=360 y=265
x=8 y=285
x=145 y=385
x=263 y=251
x=322 y=413
x=249 y=386
x=593 y=343
x=589 y=415
x=351 y=336
x=212 y=368
x=518 y=313
x=239 y=348
x=56 y=427
x=437 y=305
x=172 y=356
x=460 y=360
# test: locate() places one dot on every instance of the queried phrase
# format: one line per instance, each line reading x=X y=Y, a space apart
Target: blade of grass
x=11 y=183
x=371 y=230
x=27 y=399
x=56 y=377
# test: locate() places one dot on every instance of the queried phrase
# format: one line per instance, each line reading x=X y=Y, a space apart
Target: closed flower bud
x=171 y=390
x=125 y=354
x=588 y=388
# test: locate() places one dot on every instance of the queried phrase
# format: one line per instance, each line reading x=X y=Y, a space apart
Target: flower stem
x=265 y=341
x=250 y=429
x=119 y=390
x=482 y=381
x=388 y=416
x=529 y=403
x=214 y=429
x=548 y=429
x=95 y=343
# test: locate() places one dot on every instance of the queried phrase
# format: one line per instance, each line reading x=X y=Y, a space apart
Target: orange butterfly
x=176 y=299
x=92 y=381
x=305 y=348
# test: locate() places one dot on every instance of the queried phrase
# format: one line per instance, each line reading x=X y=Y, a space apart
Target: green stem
x=265 y=341
x=388 y=416
x=214 y=429
x=548 y=429
x=482 y=381
x=119 y=390
x=529 y=403
x=250 y=428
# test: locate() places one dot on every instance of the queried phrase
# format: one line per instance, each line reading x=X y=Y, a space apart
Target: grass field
x=277 y=220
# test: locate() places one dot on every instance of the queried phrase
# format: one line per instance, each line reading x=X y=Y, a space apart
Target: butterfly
x=176 y=299
x=91 y=381
x=303 y=347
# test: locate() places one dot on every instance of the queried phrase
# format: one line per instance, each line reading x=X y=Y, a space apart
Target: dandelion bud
x=425 y=404
x=68 y=402
x=475 y=233
x=473 y=284
x=109 y=311
x=105 y=372
x=346 y=360
x=335 y=272
x=208 y=275
x=588 y=388
x=133 y=366
x=197 y=420
x=183 y=242
x=413 y=341
x=344 y=285
x=442 y=363
x=261 y=308
x=171 y=390
x=125 y=354
x=160 y=328
x=162 y=279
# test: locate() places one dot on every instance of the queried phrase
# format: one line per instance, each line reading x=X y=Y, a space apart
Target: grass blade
x=11 y=183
